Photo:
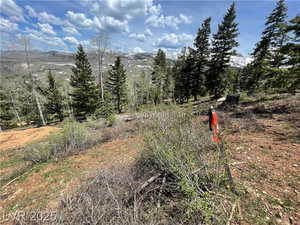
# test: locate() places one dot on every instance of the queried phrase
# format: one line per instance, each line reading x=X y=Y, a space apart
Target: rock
x=221 y=99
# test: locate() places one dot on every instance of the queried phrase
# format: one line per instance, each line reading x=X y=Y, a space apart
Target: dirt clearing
x=19 y=138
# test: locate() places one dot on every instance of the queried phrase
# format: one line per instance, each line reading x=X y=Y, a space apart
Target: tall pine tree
x=292 y=50
x=182 y=75
x=267 y=52
x=84 y=92
x=201 y=55
x=116 y=85
x=159 y=76
x=223 y=43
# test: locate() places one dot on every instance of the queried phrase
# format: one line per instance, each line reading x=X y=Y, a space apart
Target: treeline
x=200 y=70
x=204 y=68
x=83 y=100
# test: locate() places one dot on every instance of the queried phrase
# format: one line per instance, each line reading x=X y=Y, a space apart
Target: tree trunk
x=101 y=84
x=39 y=108
x=195 y=98
x=14 y=107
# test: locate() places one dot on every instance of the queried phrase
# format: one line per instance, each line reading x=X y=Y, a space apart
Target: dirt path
x=19 y=138
x=48 y=182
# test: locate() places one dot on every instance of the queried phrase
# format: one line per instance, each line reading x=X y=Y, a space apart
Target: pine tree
x=223 y=44
x=116 y=85
x=292 y=50
x=54 y=104
x=276 y=29
x=6 y=112
x=84 y=94
x=267 y=52
x=182 y=75
x=158 y=76
x=202 y=53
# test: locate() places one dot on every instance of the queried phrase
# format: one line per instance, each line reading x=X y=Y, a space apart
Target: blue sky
x=133 y=25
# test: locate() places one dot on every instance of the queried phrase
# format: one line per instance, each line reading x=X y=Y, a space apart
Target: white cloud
x=56 y=41
x=119 y=9
x=31 y=11
x=49 y=18
x=11 y=9
x=107 y=23
x=44 y=38
x=44 y=16
x=7 y=26
x=70 y=30
x=185 y=19
x=137 y=50
x=154 y=9
x=167 y=21
x=114 y=25
x=148 y=32
x=156 y=18
x=46 y=28
x=174 y=41
x=80 y=19
x=72 y=40
x=138 y=37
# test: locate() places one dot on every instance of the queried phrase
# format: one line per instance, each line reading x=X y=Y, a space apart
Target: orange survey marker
x=213 y=125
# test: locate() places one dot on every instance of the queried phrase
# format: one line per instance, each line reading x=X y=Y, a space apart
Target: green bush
x=110 y=121
x=104 y=110
x=38 y=152
x=73 y=138
x=179 y=146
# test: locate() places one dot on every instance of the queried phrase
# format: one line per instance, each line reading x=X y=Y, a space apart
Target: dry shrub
x=103 y=200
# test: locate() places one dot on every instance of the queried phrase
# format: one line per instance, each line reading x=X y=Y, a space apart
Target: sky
x=133 y=25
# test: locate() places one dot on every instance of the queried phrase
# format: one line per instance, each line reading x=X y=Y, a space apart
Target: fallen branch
x=160 y=190
x=149 y=181
x=16 y=178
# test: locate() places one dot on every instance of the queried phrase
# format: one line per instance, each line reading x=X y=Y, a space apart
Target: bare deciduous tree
x=26 y=44
x=101 y=43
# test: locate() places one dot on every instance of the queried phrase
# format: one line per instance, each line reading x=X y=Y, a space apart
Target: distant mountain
x=240 y=61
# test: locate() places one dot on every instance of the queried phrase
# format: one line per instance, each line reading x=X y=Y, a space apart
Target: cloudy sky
x=133 y=25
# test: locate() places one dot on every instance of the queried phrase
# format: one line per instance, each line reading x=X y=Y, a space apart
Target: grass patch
x=11 y=162
x=75 y=137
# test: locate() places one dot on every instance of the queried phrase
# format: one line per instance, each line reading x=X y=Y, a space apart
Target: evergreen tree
x=223 y=44
x=54 y=104
x=292 y=50
x=84 y=94
x=117 y=85
x=267 y=52
x=201 y=54
x=159 y=76
x=182 y=75
x=6 y=111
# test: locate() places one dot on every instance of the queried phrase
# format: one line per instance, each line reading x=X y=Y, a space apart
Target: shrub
x=110 y=120
x=38 y=152
x=178 y=146
x=73 y=138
